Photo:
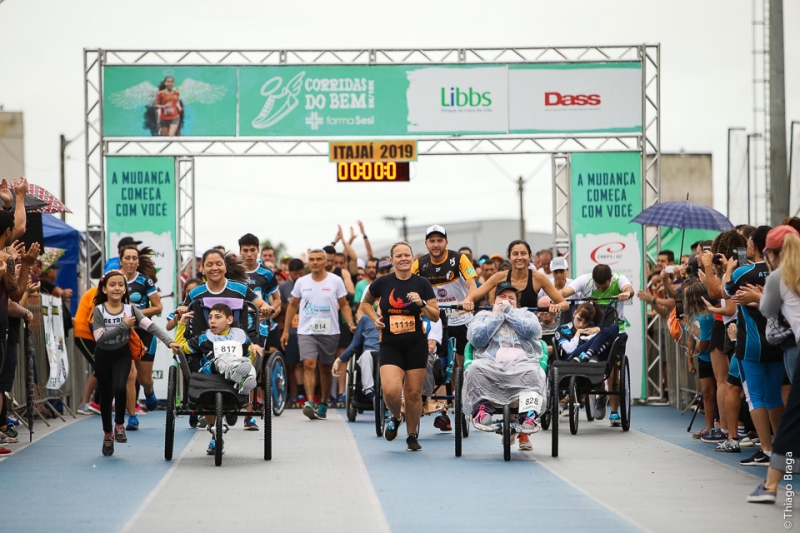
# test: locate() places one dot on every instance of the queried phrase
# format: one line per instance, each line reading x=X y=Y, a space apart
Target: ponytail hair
x=234 y=269
x=790 y=263
x=147 y=267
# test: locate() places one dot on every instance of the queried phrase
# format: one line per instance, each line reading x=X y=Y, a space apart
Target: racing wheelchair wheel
x=625 y=393
x=349 y=390
x=169 y=434
x=380 y=405
x=460 y=430
x=276 y=366
x=269 y=409
x=506 y=433
x=588 y=405
x=574 y=406
x=554 y=411
x=218 y=430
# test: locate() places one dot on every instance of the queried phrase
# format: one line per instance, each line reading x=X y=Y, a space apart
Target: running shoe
x=12 y=421
x=310 y=410
x=390 y=432
x=119 y=434
x=483 y=420
x=525 y=443
x=762 y=495
x=151 y=402
x=246 y=385
x=83 y=409
x=297 y=403
x=751 y=439
x=94 y=407
x=728 y=446
x=600 y=407
x=212 y=447
x=231 y=419
x=242 y=371
x=758 y=459
x=411 y=443
x=7 y=439
x=702 y=433
x=250 y=424
x=369 y=394
x=202 y=422
x=4 y=451
x=341 y=400
x=140 y=411
x=10 y=431
x=193 y=419
x=108 y=444
x=133 y=423
x=715 y=435
x=526 y=424
x=615 y=420
x=442 y=422
x=322 y=411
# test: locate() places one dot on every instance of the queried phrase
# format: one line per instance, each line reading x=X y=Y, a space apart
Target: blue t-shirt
x=706 y=324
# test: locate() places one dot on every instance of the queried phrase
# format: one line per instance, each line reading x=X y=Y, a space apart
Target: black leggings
x=112 y=367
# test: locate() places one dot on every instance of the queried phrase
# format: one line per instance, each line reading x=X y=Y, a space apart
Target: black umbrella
x=30 y=385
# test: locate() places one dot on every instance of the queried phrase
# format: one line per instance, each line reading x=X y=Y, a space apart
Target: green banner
x=205 y=103
x=605 y=194
x=371 y=101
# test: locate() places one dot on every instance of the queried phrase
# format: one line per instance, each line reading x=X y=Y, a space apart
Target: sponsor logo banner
x=382 y=100
x=605 y=97
x=140 y=202
x=605 y=194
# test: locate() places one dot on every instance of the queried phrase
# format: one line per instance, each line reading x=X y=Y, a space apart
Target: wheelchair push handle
x=460 y=307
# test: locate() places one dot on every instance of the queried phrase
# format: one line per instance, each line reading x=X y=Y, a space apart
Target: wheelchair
x=355 y=400
x=582 y=381
x=505 y=428
x=212 y=394
x=460 y=424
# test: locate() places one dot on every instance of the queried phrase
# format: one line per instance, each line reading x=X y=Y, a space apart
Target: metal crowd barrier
x=49 y=403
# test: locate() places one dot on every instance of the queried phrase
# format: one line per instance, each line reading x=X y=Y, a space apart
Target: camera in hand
x=717 y=260
x=741 y=255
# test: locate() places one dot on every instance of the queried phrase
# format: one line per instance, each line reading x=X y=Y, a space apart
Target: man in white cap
x=558 y=274
x=453 y=278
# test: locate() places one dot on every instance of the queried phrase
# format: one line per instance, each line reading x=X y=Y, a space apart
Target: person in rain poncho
x=507 y=361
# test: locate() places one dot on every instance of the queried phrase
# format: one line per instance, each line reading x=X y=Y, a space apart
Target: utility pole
x=63 y=156
x=779 y=176
x=402 y=220
x=521 y=188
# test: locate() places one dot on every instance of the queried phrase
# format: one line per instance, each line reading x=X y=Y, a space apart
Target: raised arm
x=20 y=221
x=367 y=245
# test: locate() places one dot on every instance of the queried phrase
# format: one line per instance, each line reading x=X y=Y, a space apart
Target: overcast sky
x=706 y=88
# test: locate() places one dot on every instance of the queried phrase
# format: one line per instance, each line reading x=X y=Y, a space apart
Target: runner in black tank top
x=528 y=296
x=519 y=254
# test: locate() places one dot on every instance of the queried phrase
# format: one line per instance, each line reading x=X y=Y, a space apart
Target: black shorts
x=409 y=354
x=345 y=337
x=87 y=348
x=459 y=333
x=704 y=369
x=9 y=368
x=718 y=335
x=274 y=339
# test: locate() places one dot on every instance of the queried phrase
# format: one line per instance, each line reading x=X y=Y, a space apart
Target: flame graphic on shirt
x=397 y=303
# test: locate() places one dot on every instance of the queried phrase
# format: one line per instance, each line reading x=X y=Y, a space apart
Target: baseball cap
x=777 y=234
x=383 y=264
x=360 y=263
x=483 y=259
x=558 y=263
x=496 y=256
x=504 y=286
x=127 y=241
x=436 y=228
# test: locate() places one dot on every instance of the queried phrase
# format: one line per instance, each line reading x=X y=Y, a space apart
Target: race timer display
x=373 y=171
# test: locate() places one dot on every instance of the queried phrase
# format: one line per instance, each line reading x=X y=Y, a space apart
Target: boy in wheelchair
x=507 y=361
x=582 y=340
x=220 y=349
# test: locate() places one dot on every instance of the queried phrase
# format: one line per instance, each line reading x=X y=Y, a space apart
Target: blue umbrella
x=683 y=215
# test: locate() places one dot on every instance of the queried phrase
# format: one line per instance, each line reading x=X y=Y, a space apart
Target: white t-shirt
x=584 y=287
x=542 y=294
x=319 y=304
